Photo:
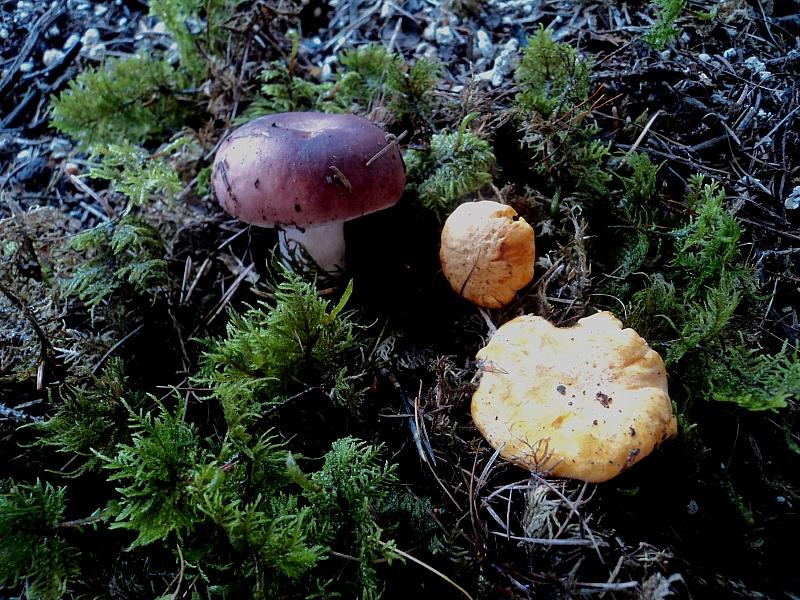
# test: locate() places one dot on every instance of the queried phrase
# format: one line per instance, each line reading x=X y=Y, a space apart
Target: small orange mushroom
x=487 y=253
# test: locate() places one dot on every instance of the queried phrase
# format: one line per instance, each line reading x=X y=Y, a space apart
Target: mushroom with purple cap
x=307 y=173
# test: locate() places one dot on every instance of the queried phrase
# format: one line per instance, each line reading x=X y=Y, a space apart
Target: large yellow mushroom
x=584 y=402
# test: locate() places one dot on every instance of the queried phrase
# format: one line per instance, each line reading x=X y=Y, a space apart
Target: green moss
x=156 y=472
x=369 y=76
x=141 y=99
x=283 y=91
x=552 y=106
x=664 y=30
x=234 y=507
x=369 y=73
x=708 y=245
x=135 y=173
x=132 y=98
x=413 y=89
x=754 y=379
x=689 y=309
x=196 y=26
x=352 y=488
x=551 y=77
x=586 y=162
x=124 y=259
x=272 y=352
x=33 y=552
x=457 y=164
x=87 y=418
x=639 y=188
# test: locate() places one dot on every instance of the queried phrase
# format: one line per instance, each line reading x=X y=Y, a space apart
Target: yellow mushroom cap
x=584 y=402
x=487 y=255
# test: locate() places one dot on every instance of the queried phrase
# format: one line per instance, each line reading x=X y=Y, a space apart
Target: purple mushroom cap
x=305 y=168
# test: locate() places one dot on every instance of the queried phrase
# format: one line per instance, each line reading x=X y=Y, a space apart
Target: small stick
x=94 y=195
x=430 y=568
x=546 y=541
x=197 y=277
x=392 y=140
x=111 y=350
x=226 y=297
x=644 y=132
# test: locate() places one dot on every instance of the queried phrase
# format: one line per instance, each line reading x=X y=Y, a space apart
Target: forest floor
x=132 y=312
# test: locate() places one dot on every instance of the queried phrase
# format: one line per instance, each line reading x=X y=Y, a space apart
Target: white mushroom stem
x=324 y=244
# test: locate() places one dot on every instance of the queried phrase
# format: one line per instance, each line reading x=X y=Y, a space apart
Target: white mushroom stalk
x=324 y=245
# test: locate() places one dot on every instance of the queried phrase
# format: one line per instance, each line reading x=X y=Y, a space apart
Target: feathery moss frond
x=753 y=379
x=156 y=472
x=32 y=551
x=283 y=91
x=272 y=352
x=551 y=77
x=369 y=74
x=353 y=485
x=687 y=311
x=457 y=164
x=87 y=420
x=665 y=31
x=132 y=98
x=708 y=245
x=135 y=173
x=639 y=188
x=196 y=26
x=126 y=256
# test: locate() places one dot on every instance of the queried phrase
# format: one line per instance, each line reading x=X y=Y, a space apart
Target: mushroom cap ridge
x=585 y=402
x=305 y=168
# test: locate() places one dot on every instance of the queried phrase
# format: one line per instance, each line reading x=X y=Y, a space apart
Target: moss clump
x=703 y=282
x=124 y=259
x=664 y=30
x=639 y=188
x=272 y=352
x=457 y=164
x=754 y=379
x=33 y=551
x=132 y=98
x=282 y=90
x=552 y=108
x=689 y=307
x=157 y=471
x=87 y=417
x=352 y=487
x=551 y=77
x=196 y=26
x=142 y=99
x=230 y=508
x=135 y=173
x=370 y=77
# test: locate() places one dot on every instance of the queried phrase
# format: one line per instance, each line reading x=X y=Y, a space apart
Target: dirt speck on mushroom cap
x=303 y=169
